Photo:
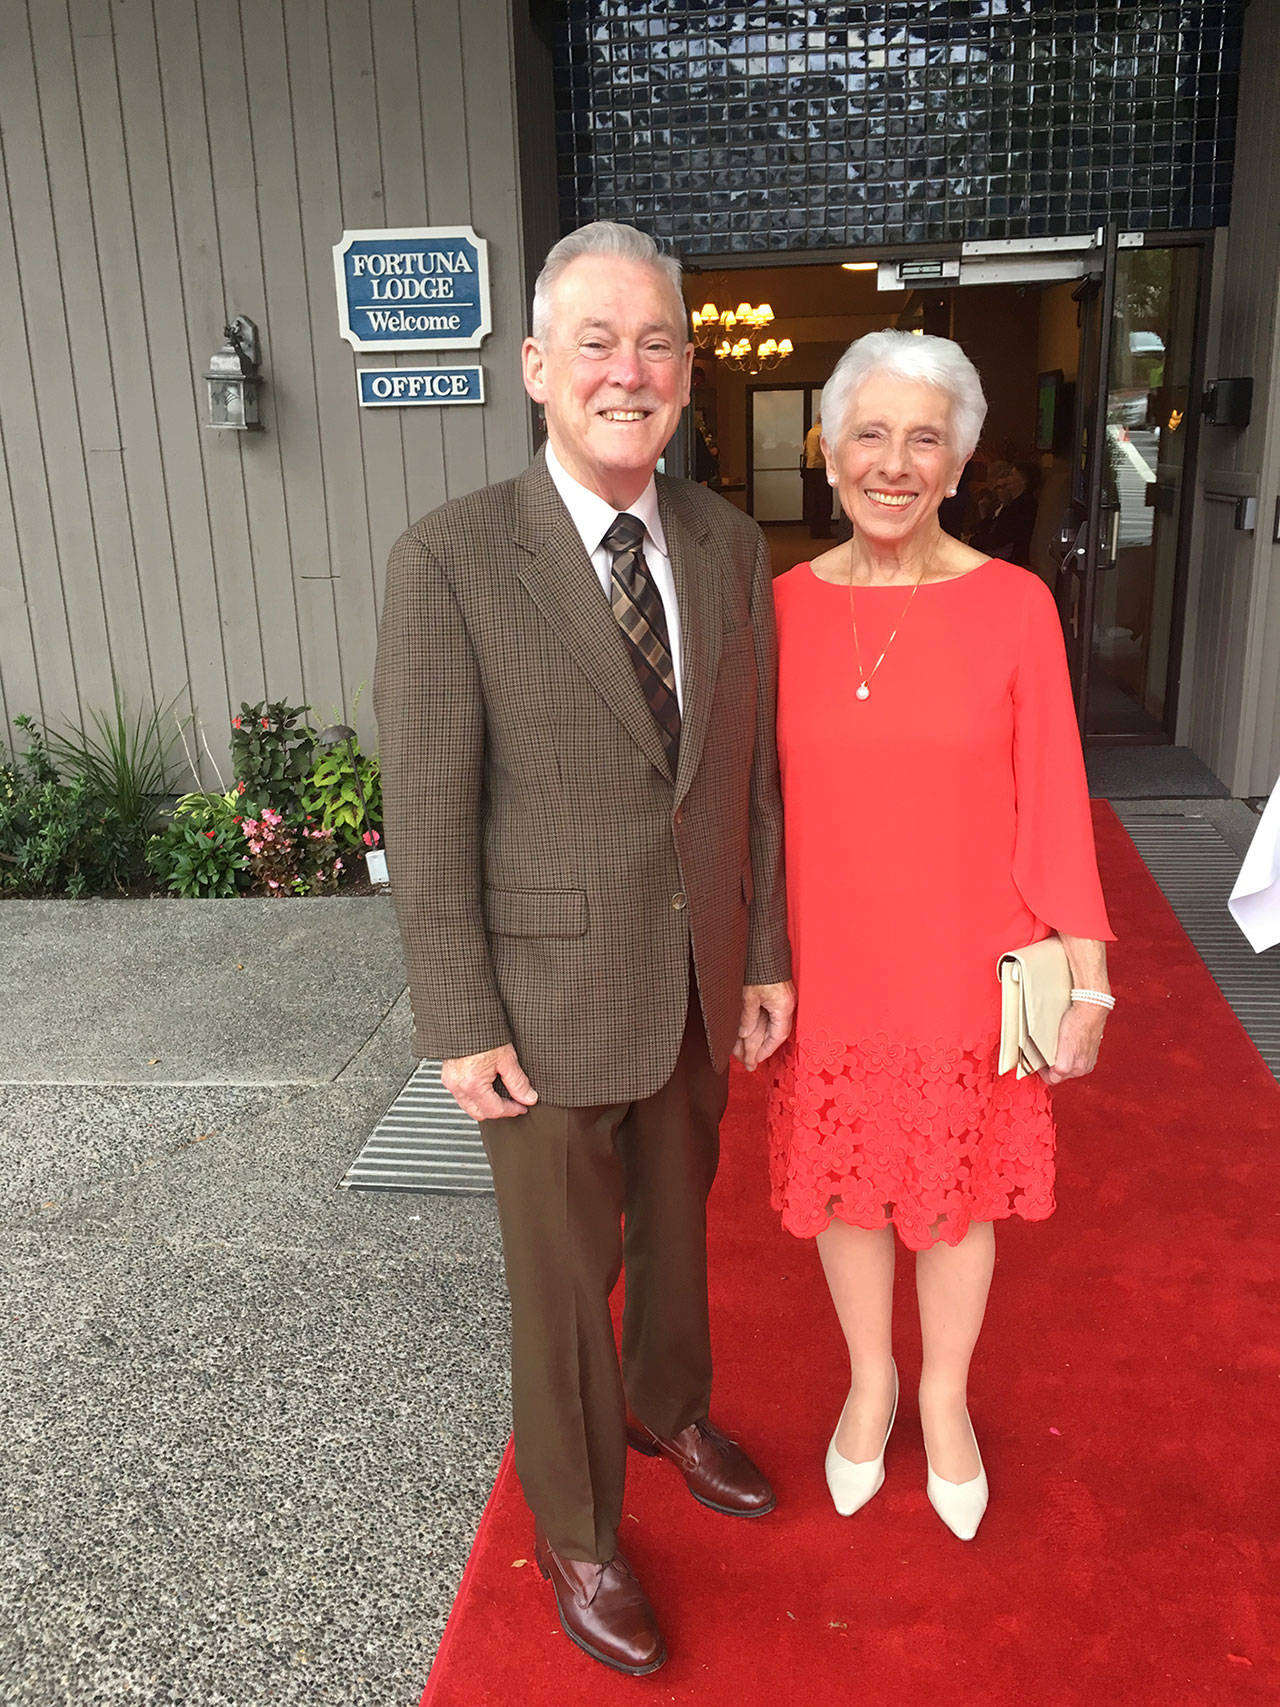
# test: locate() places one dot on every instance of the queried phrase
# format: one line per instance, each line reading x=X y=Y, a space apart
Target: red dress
x=928 y=828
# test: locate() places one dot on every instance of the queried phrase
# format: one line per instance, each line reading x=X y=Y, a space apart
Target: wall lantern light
x=233 y=378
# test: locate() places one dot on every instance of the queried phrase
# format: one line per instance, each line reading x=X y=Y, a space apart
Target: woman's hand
x=1081 y=1030
x=1079 y=1037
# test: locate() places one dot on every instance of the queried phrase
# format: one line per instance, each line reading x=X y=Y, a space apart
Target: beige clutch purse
x=1035 y=992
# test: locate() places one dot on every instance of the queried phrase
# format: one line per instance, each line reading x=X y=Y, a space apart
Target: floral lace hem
x=926 y=1137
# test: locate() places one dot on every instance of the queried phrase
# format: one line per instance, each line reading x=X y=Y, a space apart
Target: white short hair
x=602 y=237
x=905 y=355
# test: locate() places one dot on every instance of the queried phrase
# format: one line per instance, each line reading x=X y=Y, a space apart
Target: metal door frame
x=1090 y=549
x=1088 y=559
x=1204 y=241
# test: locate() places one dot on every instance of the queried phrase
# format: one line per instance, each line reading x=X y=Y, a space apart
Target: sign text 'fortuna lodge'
x=413 y=290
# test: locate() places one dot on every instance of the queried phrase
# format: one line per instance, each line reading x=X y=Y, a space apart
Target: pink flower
x=265 y=724
x=371 y=838
x=235 y=724
x=209 y=833
x=272 y=884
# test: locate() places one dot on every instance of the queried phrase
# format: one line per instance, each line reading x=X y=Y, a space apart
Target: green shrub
x=58 y=837
x=333 y=798
x=201 y=851
x=271 y=754
x=123 y=760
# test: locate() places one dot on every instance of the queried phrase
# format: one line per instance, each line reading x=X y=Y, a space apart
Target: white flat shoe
x=960 y=1505
x=852 y=1485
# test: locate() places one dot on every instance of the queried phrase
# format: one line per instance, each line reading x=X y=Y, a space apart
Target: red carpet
x=1126 y=1393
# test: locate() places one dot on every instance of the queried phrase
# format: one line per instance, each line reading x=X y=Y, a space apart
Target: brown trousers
x=565 y=1179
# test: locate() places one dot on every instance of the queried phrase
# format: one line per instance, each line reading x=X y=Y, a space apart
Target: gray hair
x=906 y=355
x=602 y=237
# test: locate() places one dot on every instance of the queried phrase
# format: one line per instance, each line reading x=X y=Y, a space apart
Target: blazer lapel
x=698 y=596
x=560 y=579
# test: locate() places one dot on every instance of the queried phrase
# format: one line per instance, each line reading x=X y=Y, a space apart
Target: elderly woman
x=936 y=816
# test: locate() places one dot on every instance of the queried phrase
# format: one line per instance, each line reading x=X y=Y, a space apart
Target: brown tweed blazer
x=549 y=874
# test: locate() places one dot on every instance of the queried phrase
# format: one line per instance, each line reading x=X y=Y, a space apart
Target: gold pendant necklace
x=863 y=690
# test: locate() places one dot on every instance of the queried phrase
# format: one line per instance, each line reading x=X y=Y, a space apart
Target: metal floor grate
x=1197 y=868
x=423 y=1142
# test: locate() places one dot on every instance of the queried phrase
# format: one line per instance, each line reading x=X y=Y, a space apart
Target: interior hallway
x=789 y=544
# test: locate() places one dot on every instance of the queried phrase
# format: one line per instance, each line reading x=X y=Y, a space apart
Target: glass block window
x=779 y=127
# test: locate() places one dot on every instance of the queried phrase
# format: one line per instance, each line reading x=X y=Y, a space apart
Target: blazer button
x=679 y=901
x=679 y=815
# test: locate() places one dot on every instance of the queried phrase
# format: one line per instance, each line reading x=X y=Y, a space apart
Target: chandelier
x=738 y=331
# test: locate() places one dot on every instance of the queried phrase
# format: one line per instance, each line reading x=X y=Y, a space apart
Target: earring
x=831 y=480
x=951 y=491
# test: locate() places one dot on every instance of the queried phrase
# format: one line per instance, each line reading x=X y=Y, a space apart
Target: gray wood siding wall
x=169 y=163
x=1232 y=661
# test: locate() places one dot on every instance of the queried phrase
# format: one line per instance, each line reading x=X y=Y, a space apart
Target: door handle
x=1109 y=531
x=1074 y=543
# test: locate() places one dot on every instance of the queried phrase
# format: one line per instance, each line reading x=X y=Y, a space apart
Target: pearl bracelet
x=1095 y=998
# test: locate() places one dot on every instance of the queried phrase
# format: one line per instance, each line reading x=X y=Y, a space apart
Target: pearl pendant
x=863 y=692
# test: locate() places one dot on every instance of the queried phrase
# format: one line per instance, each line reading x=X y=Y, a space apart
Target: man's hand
x=1079 y=1036
x=766 y=1021
x=469 y=1079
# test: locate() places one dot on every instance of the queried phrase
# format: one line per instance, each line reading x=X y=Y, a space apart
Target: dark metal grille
x=1196 y=867
x=780 y=127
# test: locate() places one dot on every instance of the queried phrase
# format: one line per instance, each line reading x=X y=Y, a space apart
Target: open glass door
x=1123 y=543
x=1085 y=539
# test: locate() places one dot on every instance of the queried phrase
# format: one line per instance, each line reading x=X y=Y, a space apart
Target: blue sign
x=413 y=290
x=401 y=387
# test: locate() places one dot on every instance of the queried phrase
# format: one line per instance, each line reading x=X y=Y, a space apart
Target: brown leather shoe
x=717 y=1470
x=603 y=1609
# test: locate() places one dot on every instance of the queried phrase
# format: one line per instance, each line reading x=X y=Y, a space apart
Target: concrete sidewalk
x=251 y=1419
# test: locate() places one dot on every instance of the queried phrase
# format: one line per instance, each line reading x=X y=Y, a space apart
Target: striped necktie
x=637 y=605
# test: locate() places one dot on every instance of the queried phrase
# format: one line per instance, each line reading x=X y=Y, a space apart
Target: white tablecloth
x=1255 y=900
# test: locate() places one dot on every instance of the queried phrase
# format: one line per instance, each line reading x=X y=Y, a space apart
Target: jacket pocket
x=536 y=912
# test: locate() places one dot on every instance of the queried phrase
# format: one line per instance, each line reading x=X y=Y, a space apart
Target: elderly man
x=575 y=697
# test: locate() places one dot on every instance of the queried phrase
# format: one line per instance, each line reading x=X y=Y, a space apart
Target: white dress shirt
x=593 y=518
